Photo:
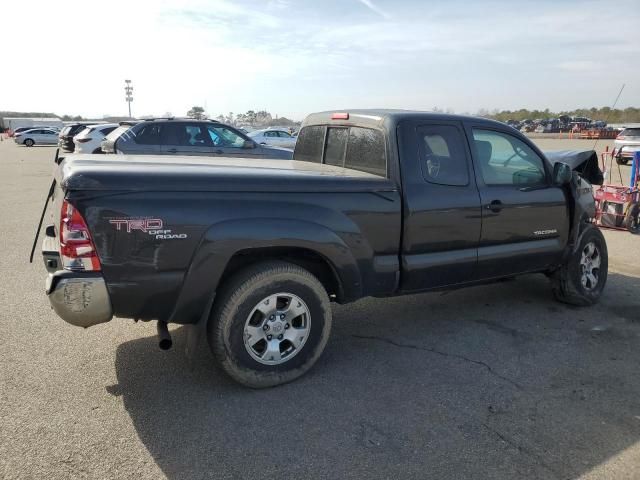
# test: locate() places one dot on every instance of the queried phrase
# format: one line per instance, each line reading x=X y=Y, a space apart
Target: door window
x=149 y=134
x=225 y=137
x=506 y=160
x=443 y=156
x=284 y=134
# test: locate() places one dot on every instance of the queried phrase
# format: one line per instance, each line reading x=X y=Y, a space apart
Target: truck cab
x=478 y=198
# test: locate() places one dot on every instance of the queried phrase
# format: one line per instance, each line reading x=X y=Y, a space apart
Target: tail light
x=83 y=140
x=77 y=251
x=620 y=137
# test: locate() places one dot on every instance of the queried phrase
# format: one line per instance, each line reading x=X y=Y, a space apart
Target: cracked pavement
x=498 y=381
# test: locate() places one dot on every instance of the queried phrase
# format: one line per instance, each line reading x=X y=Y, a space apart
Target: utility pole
x=129 y=94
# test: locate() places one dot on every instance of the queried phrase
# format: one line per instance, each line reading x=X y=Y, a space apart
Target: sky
x=292 y=57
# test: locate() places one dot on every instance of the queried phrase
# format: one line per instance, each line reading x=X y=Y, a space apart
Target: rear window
x=117 y=132
x=365 y=151
x=631 y=132
x=336 y=146
x=309 y=144
x=107 y=131
x=65 y=130
x=357 y=148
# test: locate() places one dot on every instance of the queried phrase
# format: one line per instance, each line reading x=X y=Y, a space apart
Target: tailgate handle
x=495 y=206
x=172 y=150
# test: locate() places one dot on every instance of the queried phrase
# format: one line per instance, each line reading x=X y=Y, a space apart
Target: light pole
x=129 y=92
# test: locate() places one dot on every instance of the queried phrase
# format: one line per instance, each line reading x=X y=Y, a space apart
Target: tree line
x=260 y=118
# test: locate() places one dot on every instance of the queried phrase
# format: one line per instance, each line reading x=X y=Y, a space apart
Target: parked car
x=65 y=139
x=170 y=136
x=376 y=203
x=273 y=137
x=626 y=144
x=90 y=138
x=36 y=136
x=24 y=129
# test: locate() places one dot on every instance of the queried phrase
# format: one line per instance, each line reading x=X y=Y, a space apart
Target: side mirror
x=249 y=144
x=562 y=173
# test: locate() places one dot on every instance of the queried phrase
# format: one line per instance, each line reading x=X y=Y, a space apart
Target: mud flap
x=195 y=332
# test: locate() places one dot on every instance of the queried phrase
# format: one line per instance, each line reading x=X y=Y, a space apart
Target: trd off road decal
x=151 y=226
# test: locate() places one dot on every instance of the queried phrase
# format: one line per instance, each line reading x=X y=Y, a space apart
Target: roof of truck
x=378 y=116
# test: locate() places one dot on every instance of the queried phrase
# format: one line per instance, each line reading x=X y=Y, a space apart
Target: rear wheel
x=632 y=219
x=270 y=323
x=29 y=143
x=582 y=278
x=97 y=151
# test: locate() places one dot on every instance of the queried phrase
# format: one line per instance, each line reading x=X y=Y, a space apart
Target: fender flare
x=223 y=240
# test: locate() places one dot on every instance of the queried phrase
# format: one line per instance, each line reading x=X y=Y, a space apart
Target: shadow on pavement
x=490 y=382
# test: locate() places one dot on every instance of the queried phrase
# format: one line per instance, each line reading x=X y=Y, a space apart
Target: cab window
x=443 y=155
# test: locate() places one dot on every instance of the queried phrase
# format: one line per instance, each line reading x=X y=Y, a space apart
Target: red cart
x=618 y=205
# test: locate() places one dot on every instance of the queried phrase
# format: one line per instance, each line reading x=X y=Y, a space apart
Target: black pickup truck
x=375 y=203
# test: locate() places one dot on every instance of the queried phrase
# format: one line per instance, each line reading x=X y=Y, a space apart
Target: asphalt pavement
x=498 y=381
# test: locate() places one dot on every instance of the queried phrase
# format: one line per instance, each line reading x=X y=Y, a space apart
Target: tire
x=97 y=151
x=29 y=143
x=572 y=283
x=622 y=161
x=244 y=303
x=632 y=219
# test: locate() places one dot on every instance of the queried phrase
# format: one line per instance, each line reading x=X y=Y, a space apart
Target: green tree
x=197 y=113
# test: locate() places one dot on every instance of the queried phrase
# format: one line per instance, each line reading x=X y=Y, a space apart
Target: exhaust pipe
x=164 y=337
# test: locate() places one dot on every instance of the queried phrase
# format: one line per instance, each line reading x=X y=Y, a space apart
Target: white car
x=37 y=136
x=274 y=137
x=89 y=139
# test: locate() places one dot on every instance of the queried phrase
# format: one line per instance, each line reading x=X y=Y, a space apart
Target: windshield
x=631 y=132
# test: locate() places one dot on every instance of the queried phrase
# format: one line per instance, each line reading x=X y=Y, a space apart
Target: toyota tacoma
x=250 y=252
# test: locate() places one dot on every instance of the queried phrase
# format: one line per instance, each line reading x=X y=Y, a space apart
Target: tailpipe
x=164 y=337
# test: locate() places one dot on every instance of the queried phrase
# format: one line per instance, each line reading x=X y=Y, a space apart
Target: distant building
x=12 y=123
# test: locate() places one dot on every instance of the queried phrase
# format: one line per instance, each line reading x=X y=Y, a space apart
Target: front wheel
x=29 y=143
x=622 y=161
x=269 y=324
x=581 y=280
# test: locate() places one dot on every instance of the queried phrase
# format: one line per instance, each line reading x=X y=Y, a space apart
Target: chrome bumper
x=81 y=300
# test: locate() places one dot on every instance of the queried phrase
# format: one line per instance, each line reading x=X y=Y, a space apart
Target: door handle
x=172 y=150
x=218 y=152
x=495 y=206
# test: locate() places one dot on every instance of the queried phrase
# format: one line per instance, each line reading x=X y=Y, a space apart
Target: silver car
x=273 y=136
x=626 y=144
x=37 y=136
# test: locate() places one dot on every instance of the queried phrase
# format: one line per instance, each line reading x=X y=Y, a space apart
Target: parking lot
x=497 y=381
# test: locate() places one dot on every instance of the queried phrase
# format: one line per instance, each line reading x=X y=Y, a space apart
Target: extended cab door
x=525 y=221
x=442 y=218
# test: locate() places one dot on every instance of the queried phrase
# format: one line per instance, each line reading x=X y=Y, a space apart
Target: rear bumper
x=81 y=299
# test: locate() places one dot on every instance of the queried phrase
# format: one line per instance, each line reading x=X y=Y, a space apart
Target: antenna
x=612 y=107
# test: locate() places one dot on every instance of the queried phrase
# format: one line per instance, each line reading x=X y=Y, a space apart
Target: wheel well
x=307 y=259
